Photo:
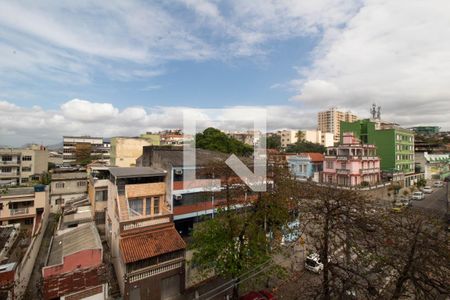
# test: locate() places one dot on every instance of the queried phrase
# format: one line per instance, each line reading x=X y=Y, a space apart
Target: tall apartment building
x=147 y=251
x=21 y=166
x=330 y=121
x=83 y=149
x=125 y=150
x=395 y=145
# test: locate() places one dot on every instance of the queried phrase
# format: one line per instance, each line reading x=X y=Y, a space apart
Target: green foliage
x=421 y=183
x=229 y=244
x=300 y=135
x=365 y=183
x=273 y=142
x=45 y=178
x=305 y=146
x=216 y=140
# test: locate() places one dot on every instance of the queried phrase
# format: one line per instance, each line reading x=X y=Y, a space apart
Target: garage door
x=170 y=287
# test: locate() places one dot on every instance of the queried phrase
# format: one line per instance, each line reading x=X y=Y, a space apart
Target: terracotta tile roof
x=315 y=156
x=151 y=244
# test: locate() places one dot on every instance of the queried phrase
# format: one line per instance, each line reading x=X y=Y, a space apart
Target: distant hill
x=55 y=147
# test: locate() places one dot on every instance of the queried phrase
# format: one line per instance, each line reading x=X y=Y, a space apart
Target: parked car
x=438 y=184
x=418 y=196
x=261 y=295
x=427 y=189
x=398 y=207
x=406 y=202
x=313 y=263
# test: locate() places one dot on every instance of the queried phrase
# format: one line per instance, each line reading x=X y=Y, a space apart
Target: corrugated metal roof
x=80 y=238
x=151 y=244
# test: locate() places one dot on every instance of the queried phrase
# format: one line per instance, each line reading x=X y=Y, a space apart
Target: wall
x=125 y=151
x=82 y=259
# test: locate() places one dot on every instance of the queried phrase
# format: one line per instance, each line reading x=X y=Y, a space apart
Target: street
x=436 y=202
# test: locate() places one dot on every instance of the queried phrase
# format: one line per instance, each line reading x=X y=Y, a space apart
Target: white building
x=287 y=137
x=318 y=137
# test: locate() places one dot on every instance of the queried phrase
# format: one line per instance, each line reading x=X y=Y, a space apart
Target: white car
x=417 y=196
x=438 y=184
x=427 y=189
x=313 y=264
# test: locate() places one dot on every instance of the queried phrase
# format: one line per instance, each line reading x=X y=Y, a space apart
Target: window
x=136 y=206
x=27 y=158
x=81 y=183
x=329 y=164
x=148 y=206
x=6 y=158
x=29 y=221
x=156 y=205
x=24 y=180
x=101 y=195
x=26 y=169
x=6 y=169
x=59 y=185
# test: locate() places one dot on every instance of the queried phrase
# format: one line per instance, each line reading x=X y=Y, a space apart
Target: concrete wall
x=125 y=151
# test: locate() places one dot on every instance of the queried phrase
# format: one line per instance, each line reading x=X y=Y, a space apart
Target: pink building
x=351 y=163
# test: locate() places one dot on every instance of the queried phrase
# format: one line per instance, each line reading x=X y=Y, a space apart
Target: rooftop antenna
x=373 y=111
x=379 y=113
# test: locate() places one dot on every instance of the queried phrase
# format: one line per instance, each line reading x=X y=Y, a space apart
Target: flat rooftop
x=17 y=191
x=136 y=172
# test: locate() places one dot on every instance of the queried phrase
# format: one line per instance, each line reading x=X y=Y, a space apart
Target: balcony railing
x=19 y=211
x=343 y=171
x=8 y=163
x=369 y=170
x=155 y=270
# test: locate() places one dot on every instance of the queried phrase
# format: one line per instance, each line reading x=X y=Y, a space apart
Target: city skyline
x=133 y=67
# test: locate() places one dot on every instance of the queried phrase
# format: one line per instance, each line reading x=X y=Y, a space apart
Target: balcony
x=9 y=174
x=17 y=212
x=155 y=270
x=199 y=185
x=369 y=171
x=342 y=171
x=9 y=163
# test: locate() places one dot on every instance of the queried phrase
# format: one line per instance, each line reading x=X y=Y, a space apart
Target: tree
x=421 y=183
x=300 y=135
x=215 y=140
x=305 y=146
x=237 y=239
x=273 y=142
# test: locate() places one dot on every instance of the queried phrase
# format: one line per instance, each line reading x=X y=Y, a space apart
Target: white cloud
x=81 y=117
x=394 y=53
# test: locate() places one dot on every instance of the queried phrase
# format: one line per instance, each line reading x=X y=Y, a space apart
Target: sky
x=126 y=67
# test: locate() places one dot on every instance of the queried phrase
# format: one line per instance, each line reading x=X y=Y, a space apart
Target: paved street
x=436 y=202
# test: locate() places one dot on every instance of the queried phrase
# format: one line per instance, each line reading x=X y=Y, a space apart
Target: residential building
x=67 y=184
x=318 y=137
x=24 y=216
x=147 y=252
x=249 y=137
x=98 y=179
x=125 y=150
x=22 y=166
x=395 y=145
x=74 y=268
x=426 y=130
x=83 y=149
x=306 y=166
x=330 y=121
x=434 y=165
x=190 y=199
x=351 y=163
x=287 y=137
x=174 y=137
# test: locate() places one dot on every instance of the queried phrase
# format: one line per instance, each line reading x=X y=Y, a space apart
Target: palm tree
x=300 y=135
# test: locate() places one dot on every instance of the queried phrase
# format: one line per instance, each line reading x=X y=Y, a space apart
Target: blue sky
x=84 y=67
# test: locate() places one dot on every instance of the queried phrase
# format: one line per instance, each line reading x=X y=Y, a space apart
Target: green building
x=395 y=145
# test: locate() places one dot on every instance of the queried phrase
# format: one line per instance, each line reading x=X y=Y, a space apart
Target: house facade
x=147 y=252
x=351 y=163
x=306 y=166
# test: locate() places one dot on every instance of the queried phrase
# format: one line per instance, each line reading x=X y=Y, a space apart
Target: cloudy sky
x=125 y=67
